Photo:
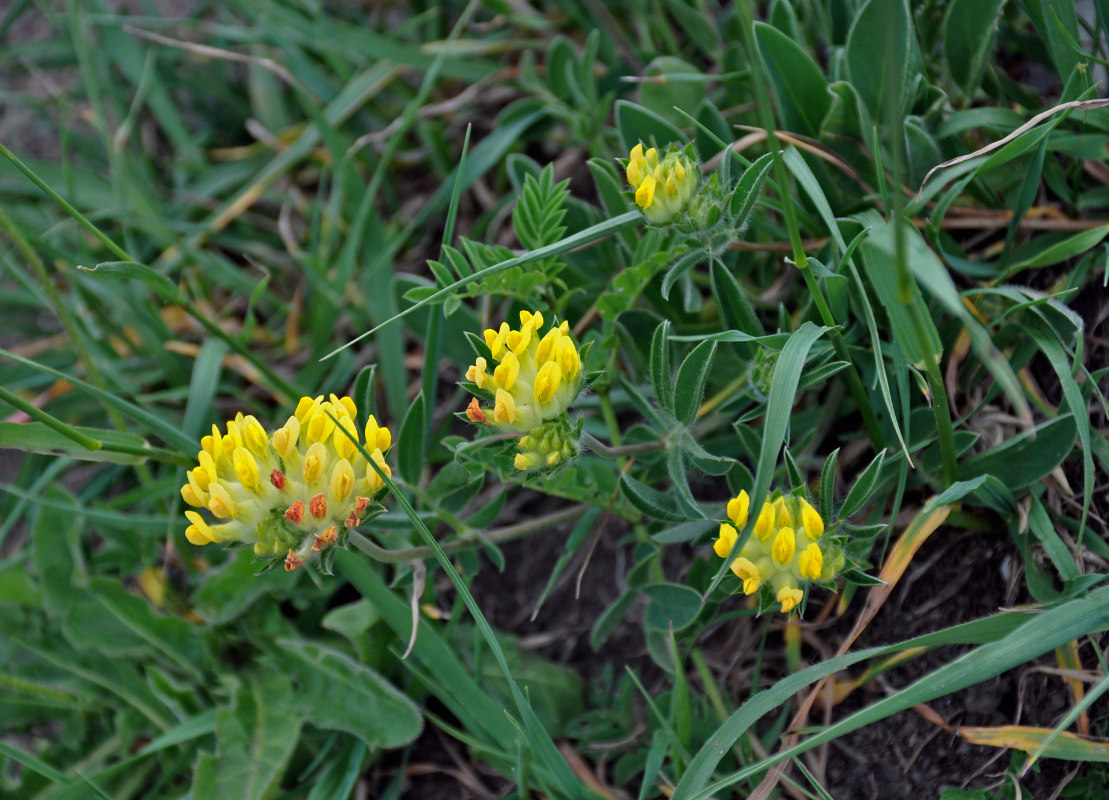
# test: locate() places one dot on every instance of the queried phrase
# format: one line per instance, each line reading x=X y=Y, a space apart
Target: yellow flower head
x=662 y=186
x=288 y=493
x=535 y=380
x=773 y=554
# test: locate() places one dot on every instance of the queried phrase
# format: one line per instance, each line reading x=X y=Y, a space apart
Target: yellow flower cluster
x=291 y=493
x=535 y=379
x=662 y=186
x=784 y=550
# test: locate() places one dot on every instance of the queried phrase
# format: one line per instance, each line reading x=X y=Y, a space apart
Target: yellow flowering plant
x=788 y=549
x=662 y=184
x=533 y=384
x=292 y=494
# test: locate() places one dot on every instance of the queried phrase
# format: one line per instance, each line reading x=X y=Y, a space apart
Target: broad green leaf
x=202 y=386
x=636 y=124
x=968 y=30
x=1028 y=457
x=337 y=693
x=828 y=485
x=746 y=193
x=254 y=740
x=1060 y=251
x=799 y=85
x=878 y=49
x=673 y=83
x=650 y=501
x=672 y=606
x=229 y=590
x=689 y=387
x=661 y=378
x=863 y=487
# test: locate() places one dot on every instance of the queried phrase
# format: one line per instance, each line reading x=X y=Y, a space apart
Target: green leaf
x=863 y=487
x=878 y=49
x=663 y=93
x=202 y=386
x=1028 y=457
x=153 y=422
x=679 y=268
x=653 y=503
x=828 y=485
x=335 y=692
x=636 y=124
x=689 y=387
x=968 y=30
x=231 y=589
x=254 y=741
x=125 y=270
x=746 y=193
x=36 y=437
x=1009 y=640
x=779 y=405
x=671 y=604
x=1060 y=251
x=661 y=379
x=411 y=440
x=799 y=85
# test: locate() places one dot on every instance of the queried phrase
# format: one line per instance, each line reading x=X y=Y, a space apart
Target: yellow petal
x=811 y=521
x=246 y=468
x=546 y=382
x=645 y=194
x=504 y=408
x=811 y=562
x=725 y=541
x=506 y=372
x=342 y=480
x=789 y=598
x=784 y=546
x=220 y=502
x=738 y=508
x=315 y=462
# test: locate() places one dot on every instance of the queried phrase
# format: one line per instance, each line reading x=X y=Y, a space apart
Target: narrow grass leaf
x=1063 y=745
x=129 y=270
x=693 y=783
x=153 y=423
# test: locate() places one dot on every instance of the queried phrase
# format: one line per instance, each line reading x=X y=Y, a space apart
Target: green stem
x=495 y=536
x=800 y=259
x=36 y=413
x=854 y=382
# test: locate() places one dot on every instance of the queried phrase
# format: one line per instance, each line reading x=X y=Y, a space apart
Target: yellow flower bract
x=290 y=492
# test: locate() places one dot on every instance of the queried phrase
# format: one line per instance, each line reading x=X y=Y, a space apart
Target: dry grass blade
x=1074 y=105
